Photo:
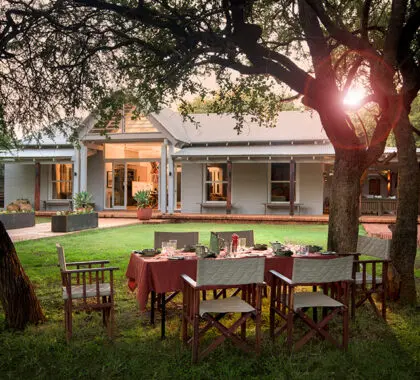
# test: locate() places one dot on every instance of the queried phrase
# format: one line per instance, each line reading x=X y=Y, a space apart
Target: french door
x=119 y=185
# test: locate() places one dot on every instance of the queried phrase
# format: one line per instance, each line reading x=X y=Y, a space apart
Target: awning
x=265 y=151
x=37 y=155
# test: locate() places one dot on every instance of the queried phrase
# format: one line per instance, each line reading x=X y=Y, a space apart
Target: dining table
x=161 y=274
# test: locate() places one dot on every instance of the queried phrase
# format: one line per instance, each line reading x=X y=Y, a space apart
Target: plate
x=176 y=258
x=254 y=254
x=328 y=253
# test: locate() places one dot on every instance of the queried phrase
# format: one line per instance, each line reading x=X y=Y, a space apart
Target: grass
x=377 y=350
x=42 y=219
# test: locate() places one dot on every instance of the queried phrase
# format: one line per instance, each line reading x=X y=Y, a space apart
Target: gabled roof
x=213 y=128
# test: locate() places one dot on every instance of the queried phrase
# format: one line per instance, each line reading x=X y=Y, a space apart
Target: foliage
x=82 y=200
x=84 y=210
x=142 y=197
x=40 y=352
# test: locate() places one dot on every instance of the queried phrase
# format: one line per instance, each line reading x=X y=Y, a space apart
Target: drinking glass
x=242 y=244
x=172 y=247
x=165 y=245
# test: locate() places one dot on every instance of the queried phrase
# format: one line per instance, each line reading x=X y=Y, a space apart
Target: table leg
x=152 y=307
x=314 y=309
x=163 y=310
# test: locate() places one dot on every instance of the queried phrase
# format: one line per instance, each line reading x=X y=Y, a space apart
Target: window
x=62 y=181
x=280 y=183
x=216 y=182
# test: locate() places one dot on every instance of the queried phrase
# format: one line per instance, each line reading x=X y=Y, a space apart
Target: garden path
x=43 y=230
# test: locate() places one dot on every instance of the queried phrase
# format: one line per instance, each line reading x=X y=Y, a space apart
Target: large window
x=62 y=181
x=216 y=182
x=280 y=182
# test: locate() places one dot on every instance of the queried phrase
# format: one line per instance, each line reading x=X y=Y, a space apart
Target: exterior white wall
x=310 y=188
x=19 y=182
x=249 y=188
x=192 y=187
x=95 y=179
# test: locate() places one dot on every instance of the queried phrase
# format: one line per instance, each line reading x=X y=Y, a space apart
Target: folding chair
x=87 y=289
x=335 y=277
x=367 y=280
x=183 y=239
x=212 y=274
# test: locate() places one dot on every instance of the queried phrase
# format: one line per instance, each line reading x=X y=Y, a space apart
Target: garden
x=377 y=350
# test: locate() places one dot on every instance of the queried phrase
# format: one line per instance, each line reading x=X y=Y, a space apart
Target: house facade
x=191 y=167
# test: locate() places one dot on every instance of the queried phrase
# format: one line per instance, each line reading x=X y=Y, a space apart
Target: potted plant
x=83 y=201
x=144 y=211
x=81 y=218
x=18 y=214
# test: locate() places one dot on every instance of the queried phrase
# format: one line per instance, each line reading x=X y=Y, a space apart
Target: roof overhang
x=28 y=155
x=323 y=153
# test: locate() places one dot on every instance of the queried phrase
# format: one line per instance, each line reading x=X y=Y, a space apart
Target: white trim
x=205 y=182
x=297 y=188
x=50 y=181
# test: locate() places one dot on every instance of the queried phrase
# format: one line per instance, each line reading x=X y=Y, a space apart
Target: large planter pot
x=18 y=220
x=68 y=223
x=144 y=213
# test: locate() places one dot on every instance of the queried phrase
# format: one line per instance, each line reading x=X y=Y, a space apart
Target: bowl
x=282 y=252
x=260 y=247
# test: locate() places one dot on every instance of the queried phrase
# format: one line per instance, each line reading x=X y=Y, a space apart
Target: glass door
x=119 y=185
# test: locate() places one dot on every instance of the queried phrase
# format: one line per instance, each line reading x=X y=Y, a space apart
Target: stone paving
x=43 y=230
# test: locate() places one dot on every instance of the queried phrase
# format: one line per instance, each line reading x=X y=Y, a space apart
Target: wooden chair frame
x=251 y=294
x=370 y=285
x=282 y=304
x=92 y=298
x=162 y=299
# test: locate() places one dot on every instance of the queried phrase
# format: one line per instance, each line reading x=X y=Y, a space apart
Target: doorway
x=124 y=179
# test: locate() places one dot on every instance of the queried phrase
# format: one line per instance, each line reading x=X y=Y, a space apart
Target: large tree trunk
x=344 y=206
x=17 y=295
x=404 y=239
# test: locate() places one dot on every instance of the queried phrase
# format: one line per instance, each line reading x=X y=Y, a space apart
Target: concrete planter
x=68 y=223
x=18 y=220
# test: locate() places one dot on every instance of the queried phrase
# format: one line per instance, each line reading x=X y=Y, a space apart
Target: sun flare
x=354 y=97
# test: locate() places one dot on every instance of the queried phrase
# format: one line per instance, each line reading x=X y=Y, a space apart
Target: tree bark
x=404 y=239
x=344 y=203
x=17 y=295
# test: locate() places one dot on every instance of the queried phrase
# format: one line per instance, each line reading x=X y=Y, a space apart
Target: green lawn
x=377 y=350
x=42 y=219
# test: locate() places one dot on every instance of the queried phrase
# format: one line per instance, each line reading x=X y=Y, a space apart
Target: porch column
x=76 y=171
x=83 y=167
x=229 y=188
x=171 y=180
x=292 y=186
x=162 y=176
x=37 y=197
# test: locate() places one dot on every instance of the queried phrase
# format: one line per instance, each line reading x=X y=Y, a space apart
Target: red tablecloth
x=163 y=275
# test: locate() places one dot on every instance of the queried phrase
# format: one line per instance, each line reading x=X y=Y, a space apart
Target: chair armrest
x=88 y=262
x=90 y=270
x=374 y=261
x=189 y=280
x=281 y=277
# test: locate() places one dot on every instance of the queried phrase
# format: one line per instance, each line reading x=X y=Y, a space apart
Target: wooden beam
x=292 y=187
x=229 y=188
x=37 y=197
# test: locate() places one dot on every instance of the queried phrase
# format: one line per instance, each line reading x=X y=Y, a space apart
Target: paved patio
x=43 y=230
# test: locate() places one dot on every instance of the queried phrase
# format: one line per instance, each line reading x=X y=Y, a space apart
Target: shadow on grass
x=375 y=351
